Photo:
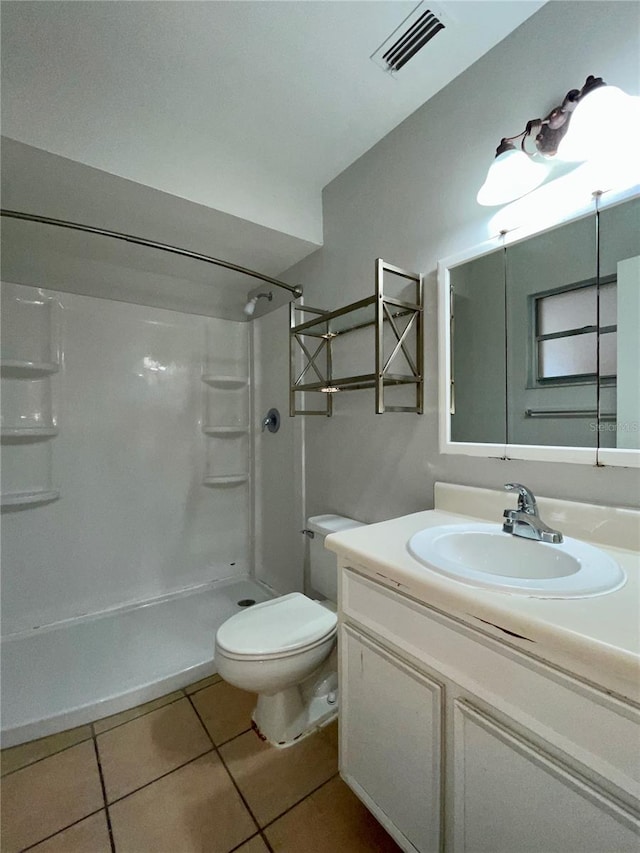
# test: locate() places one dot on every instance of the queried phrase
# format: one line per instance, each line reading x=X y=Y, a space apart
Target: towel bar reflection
x=569 y=413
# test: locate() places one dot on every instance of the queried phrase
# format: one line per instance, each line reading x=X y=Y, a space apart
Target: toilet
x=285 y=649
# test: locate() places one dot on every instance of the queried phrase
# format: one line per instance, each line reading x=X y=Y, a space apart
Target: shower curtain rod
x=296 y=290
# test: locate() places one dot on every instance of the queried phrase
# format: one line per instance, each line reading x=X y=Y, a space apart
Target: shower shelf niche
x=30 y=356
x=226 y=456
x=12 y=368
x=25 y=433
x=225 y=431
x=27 y=498
x=228 y=382
x=226 y=408
x=226 y=480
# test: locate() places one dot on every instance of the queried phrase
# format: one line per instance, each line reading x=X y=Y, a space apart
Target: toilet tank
x=323 y=566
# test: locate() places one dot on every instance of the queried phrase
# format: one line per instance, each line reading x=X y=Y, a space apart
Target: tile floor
x=182 y=774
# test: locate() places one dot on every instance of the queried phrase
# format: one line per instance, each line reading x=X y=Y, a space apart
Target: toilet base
x=287 y=717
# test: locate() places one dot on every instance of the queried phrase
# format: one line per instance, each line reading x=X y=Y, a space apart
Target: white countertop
x=596 y=638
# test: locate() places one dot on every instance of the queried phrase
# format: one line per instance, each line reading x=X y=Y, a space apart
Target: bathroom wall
x=411 y=200
x=133 y=520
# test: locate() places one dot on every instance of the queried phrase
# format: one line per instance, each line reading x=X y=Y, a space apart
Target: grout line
x=224 y=764
x=104 y=795
x=133 y=719
x=201 y=721
x=200 y=689
x=241 y=795
x=93 y=731
x=260 y=828
x=251 y=838
x=246 y=841
x=162 y=776
x=266 y=841
x=44 y=757
x=233 y=781
x=58 y=831
x=235 y=737
x=215 y=748
x=270 y=823
x=169 y=772
x=299 y=802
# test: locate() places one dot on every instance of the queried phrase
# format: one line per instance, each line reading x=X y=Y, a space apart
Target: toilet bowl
x=272 y=650
x=285 y=649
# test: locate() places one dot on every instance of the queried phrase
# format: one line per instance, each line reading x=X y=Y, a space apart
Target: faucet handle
x=271 y=421
x=526 y=498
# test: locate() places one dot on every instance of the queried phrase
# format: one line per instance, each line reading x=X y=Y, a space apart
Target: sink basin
x=482 y=555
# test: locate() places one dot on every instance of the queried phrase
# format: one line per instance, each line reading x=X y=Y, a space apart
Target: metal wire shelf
x=373 y=311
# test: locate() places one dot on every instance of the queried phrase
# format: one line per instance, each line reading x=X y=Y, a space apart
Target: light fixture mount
x=524 y=161
x=548 y=132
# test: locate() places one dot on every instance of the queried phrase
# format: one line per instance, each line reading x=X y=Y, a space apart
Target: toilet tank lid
x=326 y=524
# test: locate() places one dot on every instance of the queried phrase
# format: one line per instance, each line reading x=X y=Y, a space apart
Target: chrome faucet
x=525 y=521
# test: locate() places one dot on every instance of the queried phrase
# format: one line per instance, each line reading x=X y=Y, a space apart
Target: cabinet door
x=390 y=736
x=511 y=797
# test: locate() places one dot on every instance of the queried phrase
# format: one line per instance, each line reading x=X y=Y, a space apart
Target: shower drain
x=246 y=602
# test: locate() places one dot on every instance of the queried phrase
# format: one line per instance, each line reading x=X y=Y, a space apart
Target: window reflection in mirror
x=478 y=399
x=565 y=332
x=552 y=337
x=619 y=352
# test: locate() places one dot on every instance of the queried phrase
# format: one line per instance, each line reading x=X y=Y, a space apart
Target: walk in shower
x=128 y=468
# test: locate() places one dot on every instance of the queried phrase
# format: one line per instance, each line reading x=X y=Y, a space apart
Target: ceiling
x=249 y=108
x=212 y=126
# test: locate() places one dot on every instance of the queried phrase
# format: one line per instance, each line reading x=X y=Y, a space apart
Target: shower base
x=84 y=669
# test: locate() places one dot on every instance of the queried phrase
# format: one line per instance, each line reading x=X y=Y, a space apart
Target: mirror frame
x=609 y=456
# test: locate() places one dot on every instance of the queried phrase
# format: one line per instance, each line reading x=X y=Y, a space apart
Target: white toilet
x=284 y=649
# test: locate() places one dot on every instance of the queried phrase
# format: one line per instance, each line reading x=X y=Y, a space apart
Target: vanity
x=483 y=720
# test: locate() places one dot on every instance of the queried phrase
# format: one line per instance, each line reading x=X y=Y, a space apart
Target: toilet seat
x=279 y=628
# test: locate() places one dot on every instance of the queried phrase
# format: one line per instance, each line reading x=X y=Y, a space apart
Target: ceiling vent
x=408 y=39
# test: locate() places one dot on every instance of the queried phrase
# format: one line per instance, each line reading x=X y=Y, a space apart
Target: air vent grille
x=415 y=32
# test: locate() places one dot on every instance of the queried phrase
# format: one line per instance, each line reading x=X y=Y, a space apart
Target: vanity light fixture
x=517 y=171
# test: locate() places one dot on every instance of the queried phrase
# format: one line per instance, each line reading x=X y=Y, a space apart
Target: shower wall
x=279 y=493
x=151 y=456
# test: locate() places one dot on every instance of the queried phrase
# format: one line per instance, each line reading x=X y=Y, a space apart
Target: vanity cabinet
x=391 y=732
x=457 y=741
x=511 y=795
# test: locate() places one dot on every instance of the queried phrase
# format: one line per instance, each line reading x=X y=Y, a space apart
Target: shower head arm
x=250 y=307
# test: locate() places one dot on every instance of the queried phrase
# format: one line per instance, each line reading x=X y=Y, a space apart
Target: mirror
x=478 y=339
x=552 y=348
x=619 y=357
x=540 y=342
